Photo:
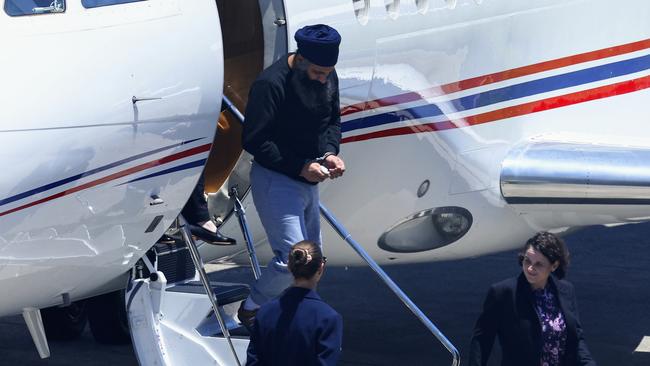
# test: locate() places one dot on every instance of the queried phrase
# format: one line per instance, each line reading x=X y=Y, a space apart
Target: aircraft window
x=98 y=3
x=423 y=5
x=31 y=7
x=361 y=8
x=392 y=8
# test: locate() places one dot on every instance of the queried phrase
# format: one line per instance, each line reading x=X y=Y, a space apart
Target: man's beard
x=314 y=96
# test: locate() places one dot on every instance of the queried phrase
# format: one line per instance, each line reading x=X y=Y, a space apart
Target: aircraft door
x=254 y=36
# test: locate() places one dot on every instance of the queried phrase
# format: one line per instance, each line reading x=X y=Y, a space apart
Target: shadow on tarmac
x=610 y=270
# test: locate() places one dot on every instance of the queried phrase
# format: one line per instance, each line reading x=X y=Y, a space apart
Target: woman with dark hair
x=535 y=315
x=298 y=328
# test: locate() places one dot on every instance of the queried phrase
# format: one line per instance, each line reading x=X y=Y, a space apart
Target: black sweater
x=279 y=131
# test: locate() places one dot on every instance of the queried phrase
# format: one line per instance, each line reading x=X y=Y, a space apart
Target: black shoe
x=210 y=237
x=246 y=317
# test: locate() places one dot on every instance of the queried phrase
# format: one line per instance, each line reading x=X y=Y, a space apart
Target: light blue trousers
x=289 y=213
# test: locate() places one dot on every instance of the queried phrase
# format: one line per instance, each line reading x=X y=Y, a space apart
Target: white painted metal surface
x=173 y=328
x=451 y=87
x=486 y=76
x=644 y=345
x=80 y=161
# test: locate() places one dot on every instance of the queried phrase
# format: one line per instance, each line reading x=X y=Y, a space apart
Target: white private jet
x=468 y=125
x=109 y=113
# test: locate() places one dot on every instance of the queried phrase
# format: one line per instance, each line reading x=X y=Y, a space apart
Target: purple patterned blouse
x=551 y=319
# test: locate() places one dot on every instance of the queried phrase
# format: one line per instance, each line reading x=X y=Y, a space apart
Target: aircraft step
x=226 y=293
x=176 y=324
x=229 y=296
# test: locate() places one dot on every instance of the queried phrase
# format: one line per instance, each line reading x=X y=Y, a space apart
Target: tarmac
x=610 y=269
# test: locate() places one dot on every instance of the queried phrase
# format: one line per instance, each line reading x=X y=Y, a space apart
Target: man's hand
x=335 y=165
x=312 y=172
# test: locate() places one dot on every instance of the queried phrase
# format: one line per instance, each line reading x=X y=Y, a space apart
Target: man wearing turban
x=293 y=131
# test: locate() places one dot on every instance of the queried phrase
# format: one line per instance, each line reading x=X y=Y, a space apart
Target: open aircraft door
x=254 y=36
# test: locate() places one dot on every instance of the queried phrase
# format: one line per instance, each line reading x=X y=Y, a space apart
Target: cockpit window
x=98 y=3
x=31 y=7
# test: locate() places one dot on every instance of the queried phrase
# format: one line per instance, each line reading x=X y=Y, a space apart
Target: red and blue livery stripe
x=129 y=171
x=504 y=94
x=190 y=165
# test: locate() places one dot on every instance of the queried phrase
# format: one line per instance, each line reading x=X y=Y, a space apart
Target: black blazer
x=508 y=313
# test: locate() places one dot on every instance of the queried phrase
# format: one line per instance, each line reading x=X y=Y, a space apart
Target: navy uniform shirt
x=280 y=132
x=298 y=329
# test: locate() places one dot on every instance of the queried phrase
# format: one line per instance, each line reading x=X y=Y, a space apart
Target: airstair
x=181 y=315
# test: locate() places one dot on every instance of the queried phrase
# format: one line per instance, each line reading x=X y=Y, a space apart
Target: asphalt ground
x=610 y=270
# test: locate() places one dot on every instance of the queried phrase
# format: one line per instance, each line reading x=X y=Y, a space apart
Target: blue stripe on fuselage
x=507 y=93
x=189 y=165
x=88 y=173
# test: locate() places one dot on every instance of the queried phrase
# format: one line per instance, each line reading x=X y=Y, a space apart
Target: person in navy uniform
x=534 y=315
x=298 y=328
x=293 y=131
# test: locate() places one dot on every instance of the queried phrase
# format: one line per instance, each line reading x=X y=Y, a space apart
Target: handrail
x=375 y=267
x=391 y=284
x=239 y=208
x=198 y=263
x=231 y=107
x=248 y=238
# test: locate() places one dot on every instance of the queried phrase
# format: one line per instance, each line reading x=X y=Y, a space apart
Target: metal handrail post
x=248 y=238
x=391 y=284
x=231 y=107
x=198 y=263
x=239 y=208
x=346 y=236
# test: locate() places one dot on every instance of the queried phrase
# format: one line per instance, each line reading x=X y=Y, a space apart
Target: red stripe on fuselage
x=135 y=169
x=514 y=111
x=498 y=76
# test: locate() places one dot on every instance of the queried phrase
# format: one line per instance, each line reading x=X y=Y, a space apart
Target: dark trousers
x=196 y=208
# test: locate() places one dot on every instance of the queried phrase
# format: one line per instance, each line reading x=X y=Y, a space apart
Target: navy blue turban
x=319 y=44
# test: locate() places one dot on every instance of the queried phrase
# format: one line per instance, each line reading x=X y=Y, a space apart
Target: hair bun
x=300 y=256
x=305 y=259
